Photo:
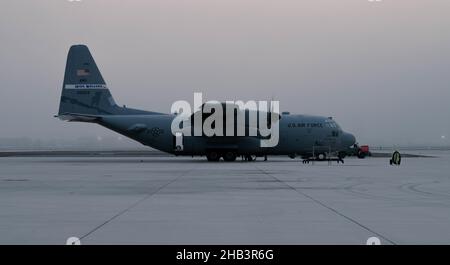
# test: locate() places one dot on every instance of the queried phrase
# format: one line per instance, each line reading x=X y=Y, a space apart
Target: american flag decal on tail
x=83 y=72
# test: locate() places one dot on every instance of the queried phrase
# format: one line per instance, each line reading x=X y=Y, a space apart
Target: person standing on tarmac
x=396 y=158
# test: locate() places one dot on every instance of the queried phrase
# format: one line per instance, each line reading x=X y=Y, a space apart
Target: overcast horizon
x=380 y=69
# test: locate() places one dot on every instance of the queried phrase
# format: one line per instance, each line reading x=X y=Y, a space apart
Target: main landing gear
x=250 y=158
x=229 y=156
x=213 y=156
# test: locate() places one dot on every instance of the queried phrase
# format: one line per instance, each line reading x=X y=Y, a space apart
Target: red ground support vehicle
x=363 y=151
x=356 y=150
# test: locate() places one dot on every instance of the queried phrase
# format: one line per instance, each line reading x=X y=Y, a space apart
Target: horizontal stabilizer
x=78 y=117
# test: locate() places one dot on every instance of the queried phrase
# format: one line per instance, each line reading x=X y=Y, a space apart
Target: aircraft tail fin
x=84 y=90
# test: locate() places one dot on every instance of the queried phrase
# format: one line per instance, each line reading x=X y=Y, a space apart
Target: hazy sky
x=381 y=69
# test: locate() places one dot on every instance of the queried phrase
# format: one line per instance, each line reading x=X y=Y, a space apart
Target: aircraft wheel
x=213 y=156
x=292 y=156
x=229 y=156
x=321 y=156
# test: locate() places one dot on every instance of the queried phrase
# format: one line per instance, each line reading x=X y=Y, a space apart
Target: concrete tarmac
x=175 y=200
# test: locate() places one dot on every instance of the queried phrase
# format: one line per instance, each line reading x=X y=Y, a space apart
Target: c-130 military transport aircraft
x=86 y=98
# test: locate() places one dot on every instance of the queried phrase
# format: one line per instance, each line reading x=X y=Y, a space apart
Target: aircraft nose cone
x=349 y=139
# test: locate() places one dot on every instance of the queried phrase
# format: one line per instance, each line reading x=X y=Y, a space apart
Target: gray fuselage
x=299 y=135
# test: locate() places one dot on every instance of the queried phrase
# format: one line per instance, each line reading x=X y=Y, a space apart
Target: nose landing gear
x=339 y=158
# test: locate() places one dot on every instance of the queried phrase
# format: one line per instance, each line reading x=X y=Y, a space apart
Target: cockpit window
x=337 y=126
x=332 y=124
